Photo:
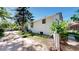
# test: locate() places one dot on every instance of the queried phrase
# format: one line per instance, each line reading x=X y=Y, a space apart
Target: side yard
x=38 y=37
x=15 y=41
x=70 y=46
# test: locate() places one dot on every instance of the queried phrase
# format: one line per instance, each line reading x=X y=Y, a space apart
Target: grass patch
x=34 y=36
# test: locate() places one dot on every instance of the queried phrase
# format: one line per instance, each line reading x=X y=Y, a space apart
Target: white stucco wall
x=45 y=28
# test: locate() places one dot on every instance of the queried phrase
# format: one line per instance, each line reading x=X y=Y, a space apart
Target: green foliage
x=1 y=32
x=4 y=13
x=64 y=35
x=54 y=26
x=13 y=26
x=59 y=28
x=75 y=17
x=8 y=26
x=30 y=34
x=4 y=24
x=75 y=34
x=22 y=16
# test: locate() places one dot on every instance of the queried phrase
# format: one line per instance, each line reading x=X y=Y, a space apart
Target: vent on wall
x=43 y=21
x=41 y=33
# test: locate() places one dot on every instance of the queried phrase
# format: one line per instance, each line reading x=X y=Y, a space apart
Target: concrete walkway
x=14 y=42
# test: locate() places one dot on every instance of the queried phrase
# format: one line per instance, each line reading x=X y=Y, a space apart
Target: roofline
x=47 y=16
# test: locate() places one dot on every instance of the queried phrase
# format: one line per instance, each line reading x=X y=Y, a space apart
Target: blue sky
x=39 y=12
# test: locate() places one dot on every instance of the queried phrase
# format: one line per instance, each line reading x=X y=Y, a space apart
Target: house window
x=31 y=25
x=43 y=21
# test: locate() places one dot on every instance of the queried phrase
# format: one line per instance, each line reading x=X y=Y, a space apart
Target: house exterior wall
x=45 y=28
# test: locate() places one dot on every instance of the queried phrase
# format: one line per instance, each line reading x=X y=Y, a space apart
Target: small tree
x=60 y=28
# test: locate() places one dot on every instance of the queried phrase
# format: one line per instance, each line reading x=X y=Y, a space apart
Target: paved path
x=14 y=42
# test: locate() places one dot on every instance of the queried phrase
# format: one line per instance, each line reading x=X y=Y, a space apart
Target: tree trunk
x=22 y=27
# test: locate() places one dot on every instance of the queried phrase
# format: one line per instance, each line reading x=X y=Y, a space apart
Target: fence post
x=56 y=41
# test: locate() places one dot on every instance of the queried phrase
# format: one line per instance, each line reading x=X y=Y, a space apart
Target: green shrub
x=13 y=26
x=77 y=37
x=1 y=32
x=75 y=34
x=63 y=35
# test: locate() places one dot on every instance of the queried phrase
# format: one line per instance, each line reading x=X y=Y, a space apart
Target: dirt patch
x=13 y=42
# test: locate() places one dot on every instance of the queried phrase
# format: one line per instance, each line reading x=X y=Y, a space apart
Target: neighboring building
x=42 y=26
x=74 y=25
